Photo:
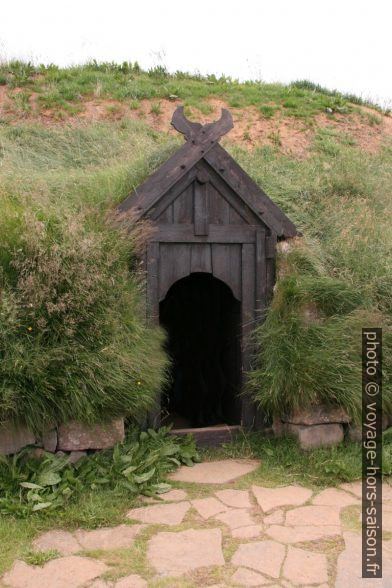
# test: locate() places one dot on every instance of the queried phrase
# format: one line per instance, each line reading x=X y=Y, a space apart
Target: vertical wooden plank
x=183 y=206
x=270 y=266
x=247 y=319
x=200 y=208
x=260 y=269
x=175 y=263
x=166 y=217
x=234 y=217
x=201 y=257
x=226 y=266
x=152 y=263
x=152 y=259
x=218 y=208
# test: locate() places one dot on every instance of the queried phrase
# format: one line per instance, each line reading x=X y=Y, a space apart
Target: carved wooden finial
x=192 y=129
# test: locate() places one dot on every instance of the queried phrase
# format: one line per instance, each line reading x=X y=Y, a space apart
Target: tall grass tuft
x=334 y=280
x=73 y=339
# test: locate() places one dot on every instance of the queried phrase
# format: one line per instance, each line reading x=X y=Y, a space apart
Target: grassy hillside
x=75 y=141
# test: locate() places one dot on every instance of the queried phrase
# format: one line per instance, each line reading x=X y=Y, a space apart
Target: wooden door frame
x=256 y=288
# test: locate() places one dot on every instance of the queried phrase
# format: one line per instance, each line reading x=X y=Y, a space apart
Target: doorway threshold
x=210 y=436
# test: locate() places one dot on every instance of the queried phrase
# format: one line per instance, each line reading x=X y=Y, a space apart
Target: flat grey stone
x=349 y=566
x=174 y=495
x=14 y=437
x=313 y=436
x=132 y=581
x=108 y=537
x=234 y=498
x=270 y=498
x=247 y=532
x=62 y=541
x=75 y=436
x=263 y=556
x=275 y=518
x=174 y=554
x=302 y=533
x=334 y=497
x=74 y=456
x=49 y=440
x=353 y=487
x=313 y=515
x=215 y=472
x=317 y=415
x=235 y=518
x=66 y=572
x=245 y=577
x=208 y=507
x=305 y=567
x=160 y=514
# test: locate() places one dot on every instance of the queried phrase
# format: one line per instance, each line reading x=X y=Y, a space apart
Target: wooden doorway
x=202 y=319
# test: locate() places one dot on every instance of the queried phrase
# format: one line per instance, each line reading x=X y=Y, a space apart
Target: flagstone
x=99 y=583
x=247 y=532
x=132 y=581
x=235 y=518
x=234 y=498
x=302 y=533
x=215 y=472
x=349 y=566
x=353 y=487
x=276 y=518
x=305 y=567
x=270 y=498
x=334 y=497
x=61 y=541
x=263 y=556
x=208 y=507
x=108 y=537
x=161 y=514
x=66 y=572
x=314 y=516
x=174 y=495
x=245 y=577
x=174 y=554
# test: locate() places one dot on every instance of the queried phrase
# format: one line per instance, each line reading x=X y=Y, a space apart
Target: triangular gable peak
x=202 y=185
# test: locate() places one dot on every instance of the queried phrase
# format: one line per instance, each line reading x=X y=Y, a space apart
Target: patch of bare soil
x=251 y=130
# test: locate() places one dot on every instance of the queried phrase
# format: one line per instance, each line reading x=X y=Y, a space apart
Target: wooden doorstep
x=210 y=436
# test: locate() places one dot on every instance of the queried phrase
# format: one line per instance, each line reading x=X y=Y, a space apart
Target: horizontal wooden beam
x=184 y=233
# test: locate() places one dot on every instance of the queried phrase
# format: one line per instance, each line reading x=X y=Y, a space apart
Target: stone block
x=76 y=436
x=317 y=415
x=313 y=436
x=354 y=433
x=14 y=437
x=49 y=440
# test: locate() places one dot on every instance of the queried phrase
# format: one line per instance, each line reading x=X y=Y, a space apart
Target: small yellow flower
x=139 y=383
x=29 y=328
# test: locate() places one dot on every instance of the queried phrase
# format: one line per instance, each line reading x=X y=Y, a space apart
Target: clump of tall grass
x=74 y=343
x=331 y=283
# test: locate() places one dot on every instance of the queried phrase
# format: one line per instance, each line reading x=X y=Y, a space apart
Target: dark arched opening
x=202 y=319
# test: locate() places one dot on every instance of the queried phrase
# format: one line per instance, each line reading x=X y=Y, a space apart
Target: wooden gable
x=212 y=222
x=203 y=178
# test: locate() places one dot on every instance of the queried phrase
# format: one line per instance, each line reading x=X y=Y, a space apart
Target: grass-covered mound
x=73 y=338
x=62 y=90
x=332 y=282
x=82 y=349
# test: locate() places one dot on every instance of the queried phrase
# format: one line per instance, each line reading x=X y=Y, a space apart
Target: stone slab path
x=216 y=531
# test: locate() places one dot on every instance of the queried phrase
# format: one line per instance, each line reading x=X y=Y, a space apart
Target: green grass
x=61 y=88
x=67 y=292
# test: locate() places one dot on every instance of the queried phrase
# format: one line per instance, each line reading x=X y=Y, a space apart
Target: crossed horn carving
x=192 y=129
